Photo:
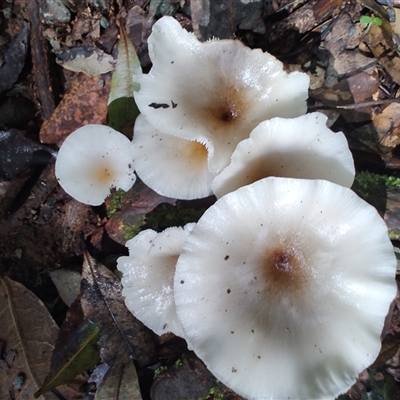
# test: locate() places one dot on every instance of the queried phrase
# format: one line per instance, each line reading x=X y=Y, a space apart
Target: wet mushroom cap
x=148 y=277
x=302 y=147
x=92 y=160
x=214 y=92
x=169 y=165
x=283 y=286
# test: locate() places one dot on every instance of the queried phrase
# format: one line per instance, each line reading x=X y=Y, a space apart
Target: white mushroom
x=215 y=92
x=300 y=147
x=148 y=274
x=283 y=286
x=92 y=160
x=169 y=165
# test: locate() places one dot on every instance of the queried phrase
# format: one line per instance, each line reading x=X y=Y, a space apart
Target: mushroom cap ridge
x=148 y=277
x=171 y=166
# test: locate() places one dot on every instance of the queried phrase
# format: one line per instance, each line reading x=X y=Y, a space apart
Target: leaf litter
x=42 y=229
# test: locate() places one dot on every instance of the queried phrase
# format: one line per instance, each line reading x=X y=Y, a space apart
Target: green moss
x=394 y=235
x=178 y=363
x=167 y=215
x=392 y=181
x=217 y=392
x=367 y=181
x=115 y=202
x=160 y=370
x=132 y=229
x=383 y=386
x=373 y=188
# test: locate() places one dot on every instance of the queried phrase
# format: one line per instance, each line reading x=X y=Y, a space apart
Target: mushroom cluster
x=199 y=100
x=214 y=116
x=283 y=285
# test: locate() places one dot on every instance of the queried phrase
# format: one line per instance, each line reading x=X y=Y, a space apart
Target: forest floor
x=58 y=256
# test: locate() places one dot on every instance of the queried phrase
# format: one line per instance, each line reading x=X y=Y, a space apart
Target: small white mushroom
x=148 y=274
x=92 y=160
x=169 y=165
x=283 y=286
x=302 y=147
x=215 y=92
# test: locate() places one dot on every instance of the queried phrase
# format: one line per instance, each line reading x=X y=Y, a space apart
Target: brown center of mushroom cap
x=103 y=173
x=285 y=269
x=223 y=108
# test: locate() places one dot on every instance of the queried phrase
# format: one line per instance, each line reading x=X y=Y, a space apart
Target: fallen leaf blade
x=120 y=383
x=67 y=283
x=31 y=342
x=122 y=108
x=388 y=350
x=76 y=351
x=122 y=336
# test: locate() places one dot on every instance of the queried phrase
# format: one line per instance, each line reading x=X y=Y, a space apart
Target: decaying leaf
x=122 y=108
x=75 y=350
x=90 y=61
x=128 y=211
x=187 y=379
x=158 y=8
x=28 y=334
x=68 y=284
x=84 y=103
x=18 y=152
x=120 y=383
x=123 y=337
x=222 y=18
x=387 y=125
x=388 y=350
x=383 y=50
x=13 y=59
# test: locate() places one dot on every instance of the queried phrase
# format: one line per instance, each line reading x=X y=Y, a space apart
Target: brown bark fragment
x=40 y=61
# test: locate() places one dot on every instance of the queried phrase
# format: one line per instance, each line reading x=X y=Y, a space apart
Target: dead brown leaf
x=383 y=52
x=136 y=203
x=120 y=383
x=387 y=125
x=123 y=337
x=222 y=18
x=84 y=103
x=190 y=380
x=28 y=335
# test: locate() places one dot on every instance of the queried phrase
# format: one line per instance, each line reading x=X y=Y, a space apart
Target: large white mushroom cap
x=283 y=286
x=215 y=92
x=92 y=160
x=148 y=274
x=169 y=165
x=302 y=147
